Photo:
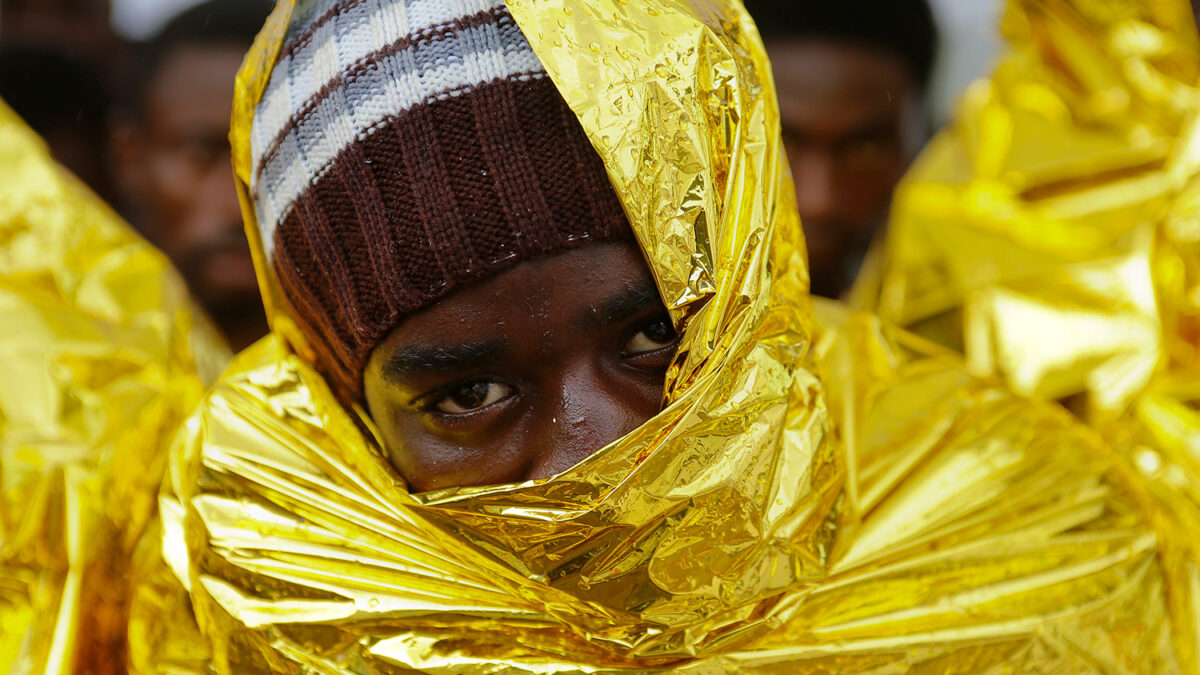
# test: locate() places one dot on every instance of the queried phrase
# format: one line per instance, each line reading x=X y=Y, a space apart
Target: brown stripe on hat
x=372 y=61
x=437 y=159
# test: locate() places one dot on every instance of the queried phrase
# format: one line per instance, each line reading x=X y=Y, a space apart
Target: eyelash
x=429 y=403
x=642 y=326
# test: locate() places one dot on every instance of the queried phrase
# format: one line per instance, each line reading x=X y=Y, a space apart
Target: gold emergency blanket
x=100 y=358
x=901 y=517
x=1052 y=231
x=1052 y=235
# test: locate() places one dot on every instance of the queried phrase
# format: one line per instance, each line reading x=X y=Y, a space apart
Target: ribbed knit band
x=406 y=147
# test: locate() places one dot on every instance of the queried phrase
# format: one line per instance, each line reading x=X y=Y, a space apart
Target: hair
x=51 y=91
x=215 y=23
x=903 y=27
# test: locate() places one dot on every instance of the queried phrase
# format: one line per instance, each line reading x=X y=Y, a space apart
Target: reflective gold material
x=252 y=80
x=1052 y=235
x=1051 y=232
x=100 y=358
x=901 y=517
x=977 y=529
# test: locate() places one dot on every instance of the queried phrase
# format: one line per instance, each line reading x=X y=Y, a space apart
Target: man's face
x=524 y=374
x=852 y=122
x=185 y=180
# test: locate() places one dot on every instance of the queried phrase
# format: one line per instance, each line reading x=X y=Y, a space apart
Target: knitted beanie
x=403 y=148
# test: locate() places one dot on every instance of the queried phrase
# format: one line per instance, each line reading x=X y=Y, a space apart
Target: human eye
x=201 y=151
x=471 y=397
x=870 y=149
x=655 y=338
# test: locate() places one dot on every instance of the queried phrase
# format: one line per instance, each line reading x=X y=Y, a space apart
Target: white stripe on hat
x=369 y=91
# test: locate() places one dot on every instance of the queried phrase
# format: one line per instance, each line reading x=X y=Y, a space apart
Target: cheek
x=174 y=180
x=595 y=411
x=550 y=434
x=643 y=397
x=870 y=192
x=431 y=460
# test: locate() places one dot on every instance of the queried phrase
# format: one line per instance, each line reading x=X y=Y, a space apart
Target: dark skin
x=524 y=374
x=76 y=27
x=176 y=167
x=852 y=123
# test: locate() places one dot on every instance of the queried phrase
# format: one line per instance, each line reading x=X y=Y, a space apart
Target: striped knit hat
x=403 y=148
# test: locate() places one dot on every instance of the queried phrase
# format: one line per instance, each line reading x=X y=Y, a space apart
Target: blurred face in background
x=852 y=122
x=75 y=27
x=177 y=166
x=65 y=101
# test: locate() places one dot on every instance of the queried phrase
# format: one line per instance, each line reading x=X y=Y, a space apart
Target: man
x=476 y=443
x=173 y=157
x=852 y=78
x=404 y=237
x=66 y=103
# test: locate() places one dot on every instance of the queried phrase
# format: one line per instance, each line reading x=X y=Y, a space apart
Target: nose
x=585 y=413
x=816 y=186
x=216 y=199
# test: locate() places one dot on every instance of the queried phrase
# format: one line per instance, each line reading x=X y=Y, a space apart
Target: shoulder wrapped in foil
x=1052 y=235
x=841 y=499
x=101 y=356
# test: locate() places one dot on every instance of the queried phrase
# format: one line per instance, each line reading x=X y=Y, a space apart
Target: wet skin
x=524 y=374
x=177 y=166
x=852 y=122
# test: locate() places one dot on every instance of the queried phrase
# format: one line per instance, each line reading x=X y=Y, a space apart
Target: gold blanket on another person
x=1052 y=235
x=102 y=354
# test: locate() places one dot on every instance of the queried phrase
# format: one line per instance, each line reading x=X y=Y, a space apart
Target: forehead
x=815 y=73
x=196 y=77
x=529 y=298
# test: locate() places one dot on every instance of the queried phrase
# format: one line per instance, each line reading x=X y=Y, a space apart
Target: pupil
x=660 y=331
x=472 y=396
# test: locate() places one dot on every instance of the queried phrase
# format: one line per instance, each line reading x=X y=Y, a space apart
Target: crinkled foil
x=101 y=356
x=1051 y=232
x=1052 y=235
x=847 y=499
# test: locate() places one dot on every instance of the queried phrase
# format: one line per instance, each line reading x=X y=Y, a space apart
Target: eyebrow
x=634 y=299
x=415 y=360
